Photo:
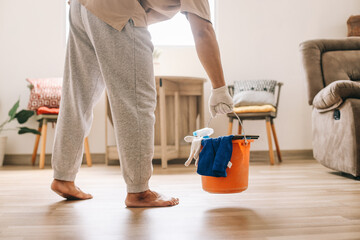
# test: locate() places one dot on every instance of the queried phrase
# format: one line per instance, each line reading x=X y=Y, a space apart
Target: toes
x=83 y=196
x=174 y=201
x=88 y=196
x=70 y=193
x=150 y=199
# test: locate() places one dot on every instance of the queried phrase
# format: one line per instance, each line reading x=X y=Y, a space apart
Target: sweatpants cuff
x=64 y=176
x=136 y=188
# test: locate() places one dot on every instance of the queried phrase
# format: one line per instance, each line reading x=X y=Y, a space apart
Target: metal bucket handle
x=242 y=126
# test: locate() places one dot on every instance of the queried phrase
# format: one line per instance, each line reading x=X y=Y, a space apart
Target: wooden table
x=179 y=112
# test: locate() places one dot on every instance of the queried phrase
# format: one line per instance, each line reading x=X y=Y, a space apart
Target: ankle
x=58 y=180
x=62 y=182
x=139 y=195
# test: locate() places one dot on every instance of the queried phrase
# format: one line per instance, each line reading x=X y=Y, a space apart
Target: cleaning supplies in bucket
x=196 y=143
x=204 y=132
x=237 y=176
x=223 y=162
x=215 y=156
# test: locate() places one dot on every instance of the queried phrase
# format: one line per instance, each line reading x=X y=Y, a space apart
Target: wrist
x=218 y=85
x=223 y=88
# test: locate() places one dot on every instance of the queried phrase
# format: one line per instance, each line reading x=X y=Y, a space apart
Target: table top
x=182 y=79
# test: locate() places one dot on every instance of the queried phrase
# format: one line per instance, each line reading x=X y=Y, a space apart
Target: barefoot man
x=110 y=47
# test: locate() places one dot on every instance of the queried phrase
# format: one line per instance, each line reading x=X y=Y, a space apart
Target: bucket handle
x=242 y=126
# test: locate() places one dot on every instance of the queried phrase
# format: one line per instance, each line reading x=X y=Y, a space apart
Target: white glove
x=195 y=149
x=220 y=101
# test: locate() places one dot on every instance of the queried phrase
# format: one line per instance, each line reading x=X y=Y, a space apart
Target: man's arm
x=207 y=49
x=220 y=101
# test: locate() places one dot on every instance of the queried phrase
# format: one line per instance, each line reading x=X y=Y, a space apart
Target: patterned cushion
x=44 y=92
x=254 y=92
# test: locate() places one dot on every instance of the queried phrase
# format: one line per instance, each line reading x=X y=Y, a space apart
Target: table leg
x=163 y=133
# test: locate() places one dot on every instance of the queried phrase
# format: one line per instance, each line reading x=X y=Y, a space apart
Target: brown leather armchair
x=332 y=73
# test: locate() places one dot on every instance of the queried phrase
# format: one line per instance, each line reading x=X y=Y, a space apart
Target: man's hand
x=220 y=101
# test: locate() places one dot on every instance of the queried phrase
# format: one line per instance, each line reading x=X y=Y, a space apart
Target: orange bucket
x=237 y=176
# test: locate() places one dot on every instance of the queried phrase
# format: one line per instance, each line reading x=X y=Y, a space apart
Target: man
x=109 y=47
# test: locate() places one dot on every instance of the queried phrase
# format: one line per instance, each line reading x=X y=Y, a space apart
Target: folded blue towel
x=215 y=156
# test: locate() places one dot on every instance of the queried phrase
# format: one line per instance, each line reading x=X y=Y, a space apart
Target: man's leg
x=82 y=88
x=125 y=59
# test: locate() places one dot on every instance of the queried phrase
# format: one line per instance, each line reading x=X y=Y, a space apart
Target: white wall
x=32 y=44
x=258 y=39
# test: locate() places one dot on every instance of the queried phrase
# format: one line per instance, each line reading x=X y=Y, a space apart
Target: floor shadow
x=229 y=220
x=64 y=213
x=65 y=206
x=137 y=223
x=62 y=203
x=137 y=211
x=346 y=175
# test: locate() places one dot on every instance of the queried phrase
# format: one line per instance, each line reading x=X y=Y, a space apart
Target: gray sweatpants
x=99 y=57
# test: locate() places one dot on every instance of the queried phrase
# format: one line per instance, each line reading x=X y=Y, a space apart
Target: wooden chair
x=43 y=120
x=267 y=116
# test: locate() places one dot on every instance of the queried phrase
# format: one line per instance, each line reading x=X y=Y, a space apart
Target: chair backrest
x=277 y=93
x=329 y=60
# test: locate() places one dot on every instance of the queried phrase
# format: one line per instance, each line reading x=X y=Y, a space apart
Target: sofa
x=332 y=74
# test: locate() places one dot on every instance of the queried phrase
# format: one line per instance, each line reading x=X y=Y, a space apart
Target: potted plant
x=156 y=56
x=21 y=116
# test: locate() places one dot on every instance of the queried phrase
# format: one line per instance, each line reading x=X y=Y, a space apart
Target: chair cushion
x=46 y=110
x=44 y=92
x=333 y=95
x=254 y=92
x=255 y=109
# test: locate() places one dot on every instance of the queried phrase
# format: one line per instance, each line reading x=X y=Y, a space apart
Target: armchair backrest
x=329 y=60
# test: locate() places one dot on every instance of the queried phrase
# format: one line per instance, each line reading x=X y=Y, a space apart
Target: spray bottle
x=204 y=132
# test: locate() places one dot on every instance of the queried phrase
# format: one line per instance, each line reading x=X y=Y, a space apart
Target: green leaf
x=13 y=110
x=24 y=130
x=24 y=115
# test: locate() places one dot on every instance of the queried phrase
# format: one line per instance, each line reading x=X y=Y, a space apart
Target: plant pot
x=157 y=69
x=2 y=149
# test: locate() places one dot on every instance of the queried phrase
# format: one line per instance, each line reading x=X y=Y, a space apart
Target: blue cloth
x=215 y=156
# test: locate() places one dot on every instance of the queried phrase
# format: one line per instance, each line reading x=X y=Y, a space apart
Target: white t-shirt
x=117 y=13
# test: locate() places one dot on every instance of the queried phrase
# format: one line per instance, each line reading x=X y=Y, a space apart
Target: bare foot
x=68 y=190
x=149 y=199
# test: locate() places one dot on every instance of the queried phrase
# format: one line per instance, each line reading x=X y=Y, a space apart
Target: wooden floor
x=296 y=200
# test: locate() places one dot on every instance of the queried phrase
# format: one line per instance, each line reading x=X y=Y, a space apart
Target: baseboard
x=260 y=156
x=25 y=159
x=99 y=158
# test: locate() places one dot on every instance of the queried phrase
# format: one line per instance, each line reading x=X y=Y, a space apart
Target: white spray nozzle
x=203 y=132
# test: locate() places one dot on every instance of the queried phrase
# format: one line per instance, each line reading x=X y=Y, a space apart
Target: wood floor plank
x=298 y=199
